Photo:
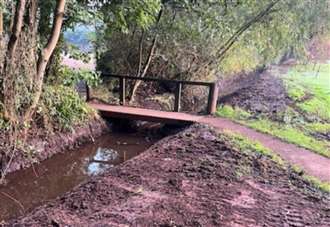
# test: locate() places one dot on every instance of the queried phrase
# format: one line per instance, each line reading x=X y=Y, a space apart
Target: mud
x=266 y=96
x=230 y=85
x=194 y=178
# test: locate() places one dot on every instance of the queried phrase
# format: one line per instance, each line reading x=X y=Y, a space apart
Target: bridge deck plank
x=133 y=113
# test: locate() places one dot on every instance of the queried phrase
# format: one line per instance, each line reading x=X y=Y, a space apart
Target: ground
x=195 y=178
x=289 y=102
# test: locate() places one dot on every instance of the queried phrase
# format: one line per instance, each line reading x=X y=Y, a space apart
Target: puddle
x=29 y=188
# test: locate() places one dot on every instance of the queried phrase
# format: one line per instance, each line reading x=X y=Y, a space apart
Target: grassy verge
x=246 y=145
x=309 y=87
x=306 y=122
x=285 y=132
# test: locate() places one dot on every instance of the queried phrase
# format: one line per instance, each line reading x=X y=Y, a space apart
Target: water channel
x=32 y=187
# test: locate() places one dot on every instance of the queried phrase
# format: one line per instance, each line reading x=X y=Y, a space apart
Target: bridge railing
x=212 y=86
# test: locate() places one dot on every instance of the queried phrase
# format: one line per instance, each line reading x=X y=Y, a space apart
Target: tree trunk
x=145 y=70
x=8 y=95
x=45 y=56
x=1 y=38
x=149 y=59
x=1 y=21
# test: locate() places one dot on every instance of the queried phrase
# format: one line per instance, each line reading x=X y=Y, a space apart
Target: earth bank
x=44 y=147
x=194 y=178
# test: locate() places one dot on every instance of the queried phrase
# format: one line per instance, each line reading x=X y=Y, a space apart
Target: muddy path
x=191 y=179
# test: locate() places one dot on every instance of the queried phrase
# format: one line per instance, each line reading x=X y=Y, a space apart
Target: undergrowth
x=61 y=108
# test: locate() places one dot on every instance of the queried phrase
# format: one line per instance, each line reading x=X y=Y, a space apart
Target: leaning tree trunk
x=45 y=56
x=23 y=72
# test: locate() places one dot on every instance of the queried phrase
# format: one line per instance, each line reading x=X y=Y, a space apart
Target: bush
x=61 y=108
x=71 y=77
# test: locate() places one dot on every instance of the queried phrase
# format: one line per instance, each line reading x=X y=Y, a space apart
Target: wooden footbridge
x=175 y=117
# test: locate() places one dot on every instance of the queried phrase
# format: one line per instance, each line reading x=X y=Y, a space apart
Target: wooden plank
x=212 y=99
x=132 y=113
x=122 y=90
x=177 y=101
x=88 y=95
x=198 y=83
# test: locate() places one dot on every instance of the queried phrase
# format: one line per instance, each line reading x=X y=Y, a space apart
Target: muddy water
x=29 y=188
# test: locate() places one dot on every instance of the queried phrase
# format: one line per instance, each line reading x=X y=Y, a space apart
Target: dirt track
x=190 y=179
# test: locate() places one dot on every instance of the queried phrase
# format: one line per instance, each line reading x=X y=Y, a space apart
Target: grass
x=318 y=127
x=285 y=132
x=313 y=81
x=246 y=145
x=323 y=186
x=309 y=87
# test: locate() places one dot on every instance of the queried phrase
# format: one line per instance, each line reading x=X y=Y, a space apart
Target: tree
x=20 y=58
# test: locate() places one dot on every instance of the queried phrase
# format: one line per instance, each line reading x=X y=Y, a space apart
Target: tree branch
x=219 y=56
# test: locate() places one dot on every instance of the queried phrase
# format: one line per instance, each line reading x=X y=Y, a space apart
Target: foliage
x=61 y=108
x=190 y=36
x=71 y=77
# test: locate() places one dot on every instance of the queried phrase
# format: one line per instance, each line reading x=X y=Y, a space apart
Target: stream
x=29 y=188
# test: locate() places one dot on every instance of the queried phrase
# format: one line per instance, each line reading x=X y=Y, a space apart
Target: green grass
x=314 y=82
x=292 y=135
x=285 y=132
x=309 y=87
x=246 y=145
x=311 y=76
x=318 y=127
x=323 y=186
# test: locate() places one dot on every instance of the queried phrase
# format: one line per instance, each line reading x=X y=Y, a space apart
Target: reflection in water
x=62 y=172
x=102 y=161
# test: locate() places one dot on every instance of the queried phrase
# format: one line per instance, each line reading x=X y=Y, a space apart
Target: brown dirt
x=313 y=164
x=231 y=84
x=46 y=147
x=266 y=96
x=191 y=179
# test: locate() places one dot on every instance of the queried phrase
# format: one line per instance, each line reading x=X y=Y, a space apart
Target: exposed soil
x=191 y=179
x=266 y=96
x=310 y=162
x=44 y=147
x=231 y=84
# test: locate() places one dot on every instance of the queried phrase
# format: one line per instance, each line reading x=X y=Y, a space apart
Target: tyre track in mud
x=190 y=179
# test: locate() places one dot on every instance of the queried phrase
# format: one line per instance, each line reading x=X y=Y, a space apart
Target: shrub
x=71 y=77
x=61 y=108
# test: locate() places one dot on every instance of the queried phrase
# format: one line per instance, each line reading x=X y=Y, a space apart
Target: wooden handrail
x=212 y=97
x=150 y=79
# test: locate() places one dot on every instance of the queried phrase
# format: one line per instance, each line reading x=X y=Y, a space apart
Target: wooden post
x=122 y=90
x=213 y=98
x=88 y=94
x=177 y=103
